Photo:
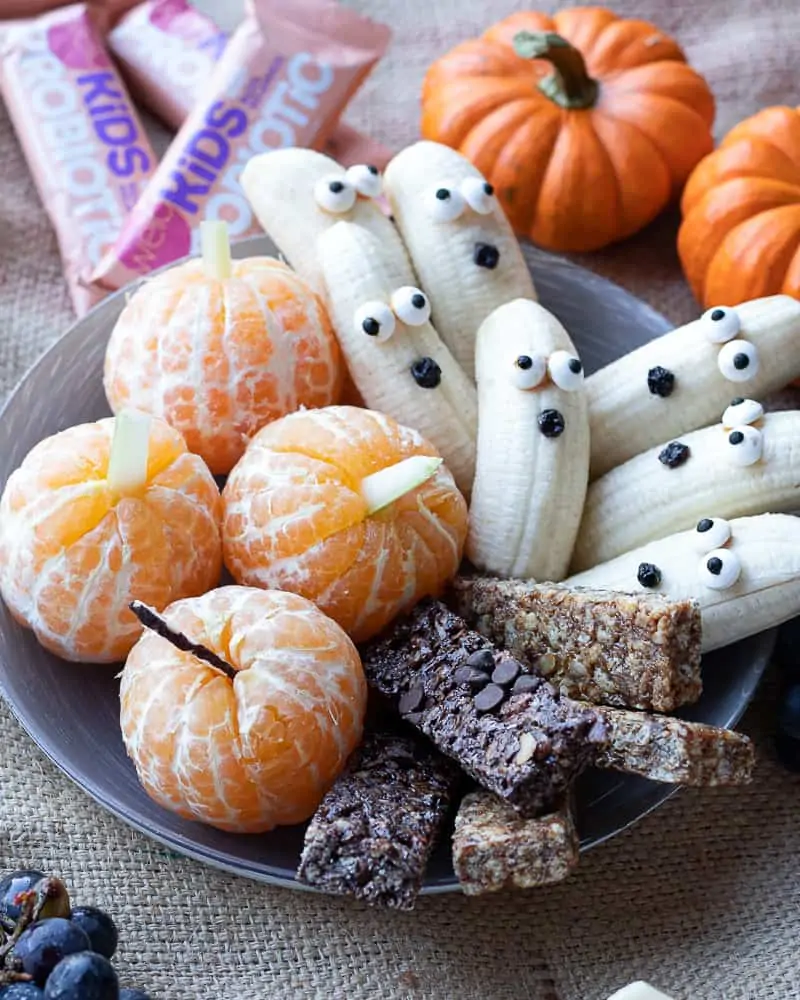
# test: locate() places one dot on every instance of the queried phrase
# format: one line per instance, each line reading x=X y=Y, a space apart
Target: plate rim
x=243 y=248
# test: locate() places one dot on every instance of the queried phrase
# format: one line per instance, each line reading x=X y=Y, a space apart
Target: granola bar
x=374 y=830
x=635 y=651
x=513 y=733
x=494 y=848
x=680 y=753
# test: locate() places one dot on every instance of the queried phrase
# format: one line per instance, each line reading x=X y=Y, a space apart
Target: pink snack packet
x=87 y=151
x=283 y=80
x=166 y=50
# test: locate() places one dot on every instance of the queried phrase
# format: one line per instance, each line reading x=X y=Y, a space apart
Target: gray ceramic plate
x=71 y=711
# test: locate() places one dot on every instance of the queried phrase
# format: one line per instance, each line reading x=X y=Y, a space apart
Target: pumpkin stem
x=569 y=85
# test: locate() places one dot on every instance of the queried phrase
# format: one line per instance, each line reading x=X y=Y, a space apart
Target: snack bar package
x=283 y=80
x=167 y=49
x=85 y=146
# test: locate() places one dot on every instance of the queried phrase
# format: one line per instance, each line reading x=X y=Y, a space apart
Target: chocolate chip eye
x=335 y=194
x=528 y=371
x=674 y=454
x=720 y=569
x=365 y=179
x=720 y=324
x=478 y=194
x=742 y=411
x=445 y=204
x=376 y=320
x=411 y=306
x=426 y=373
x=566 y=371
x=746 y=445
x=648 y=575
x=712 y=533
x=660 y=381
x=486 y=255
x=738 y=360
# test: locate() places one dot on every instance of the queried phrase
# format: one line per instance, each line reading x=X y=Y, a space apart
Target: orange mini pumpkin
x=740 y=236
x=585 y=123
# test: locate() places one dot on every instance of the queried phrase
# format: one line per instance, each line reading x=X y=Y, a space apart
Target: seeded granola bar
x=494 y=848
x=514 y=734
x=636 y=651
x=670 y=750
x=374 y=830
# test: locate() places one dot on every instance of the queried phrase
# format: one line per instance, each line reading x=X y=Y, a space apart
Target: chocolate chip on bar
x=374 y=830
x=635 y=651
x=494 y=848
x=527 y=747
x=666 y=749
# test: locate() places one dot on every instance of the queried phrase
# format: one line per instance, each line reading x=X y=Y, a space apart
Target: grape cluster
x=50 y=950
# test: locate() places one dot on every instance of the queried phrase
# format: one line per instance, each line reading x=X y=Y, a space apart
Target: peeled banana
x=533 y=445
x=296 y=194
x=744 y=573
x=746 y=464
x=397 y=361
x=684 y=380
x=461 y=244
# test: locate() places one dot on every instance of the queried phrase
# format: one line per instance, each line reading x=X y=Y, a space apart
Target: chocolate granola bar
x=494 y=848
x=677 y=752
x=635 y=651
x=374 y=830
x=514 y=734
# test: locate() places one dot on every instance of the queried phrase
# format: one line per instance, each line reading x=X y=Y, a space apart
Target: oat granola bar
x=513 y=733
x=677 y=752
x=636 y=651
x=494 y=848
x=374 y=830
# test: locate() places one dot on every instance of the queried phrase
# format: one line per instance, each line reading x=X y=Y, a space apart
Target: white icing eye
x=366 y=179
x=478 y=194
x=411 y=306
x=745 y=445
x=712 y=533
x=376 y=320
x=738 y=360
x=335 y=194
x=720 y=324
x=445 y=203
x=566 y=370
x=529 y=371
x=742 y=411
x=720 y=569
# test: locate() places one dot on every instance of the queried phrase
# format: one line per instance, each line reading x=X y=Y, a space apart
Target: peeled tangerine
x=218 y=348
x=348 y=508
x=87 y=527
x=255 y=741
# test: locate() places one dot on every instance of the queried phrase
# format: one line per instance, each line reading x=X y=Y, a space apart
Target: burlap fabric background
x=702 y=898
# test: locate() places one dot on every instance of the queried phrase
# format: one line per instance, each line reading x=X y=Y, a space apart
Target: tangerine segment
x=256 y=752
x=219 y=359
x=73 y=557
x=294 y=518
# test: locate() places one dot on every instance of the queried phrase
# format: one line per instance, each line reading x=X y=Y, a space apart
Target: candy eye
x=745 y=445
x=411 y=306
x=713 y=533
x=445 y=203
x=375 y=319
x=742 y=411
x=528 y=371
x=720 y=569
x=720 y=324
x=335 y=194
x=478 y=194
x=366 y=179
x=738 y=360
x=566 y=370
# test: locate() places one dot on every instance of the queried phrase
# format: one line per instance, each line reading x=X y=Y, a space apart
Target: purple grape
x=43 y=945
x=12 y=885
x=21 y=991
x=99 y=928
x=131 y=993
x=85 y=976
